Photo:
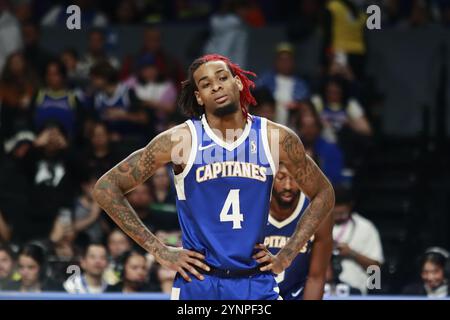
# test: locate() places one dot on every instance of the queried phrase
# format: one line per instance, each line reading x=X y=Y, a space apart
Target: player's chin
x=222 y=110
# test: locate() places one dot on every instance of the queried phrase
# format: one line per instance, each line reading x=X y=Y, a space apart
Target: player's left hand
x=270 y=262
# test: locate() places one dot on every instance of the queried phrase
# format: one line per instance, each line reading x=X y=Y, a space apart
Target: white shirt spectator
x=78 y=284
x=363 y=237
x=284 y=88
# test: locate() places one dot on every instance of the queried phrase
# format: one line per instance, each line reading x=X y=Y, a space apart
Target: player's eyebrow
x=206 y=77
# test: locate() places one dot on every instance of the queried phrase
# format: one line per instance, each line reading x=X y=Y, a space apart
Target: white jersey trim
x=292 y=217
x=220 y=142
x=179 y=178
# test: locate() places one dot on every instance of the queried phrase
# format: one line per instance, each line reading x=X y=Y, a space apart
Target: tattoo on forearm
x=111 y=189
x=306 y=173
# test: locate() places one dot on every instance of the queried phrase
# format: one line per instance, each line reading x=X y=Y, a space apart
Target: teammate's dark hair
x=188 y=102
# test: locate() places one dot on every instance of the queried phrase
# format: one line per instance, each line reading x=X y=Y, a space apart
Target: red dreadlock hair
x=187 y=100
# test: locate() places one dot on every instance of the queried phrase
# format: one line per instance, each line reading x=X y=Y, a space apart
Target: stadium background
x=399 y=75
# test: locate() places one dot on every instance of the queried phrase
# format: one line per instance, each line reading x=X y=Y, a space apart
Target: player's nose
x=216 y=86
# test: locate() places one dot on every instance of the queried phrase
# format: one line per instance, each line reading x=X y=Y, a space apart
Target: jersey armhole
x=179 y=178
x=265 y=141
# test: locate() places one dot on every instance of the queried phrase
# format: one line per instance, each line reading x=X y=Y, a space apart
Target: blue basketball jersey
x=58 y=106
x=223 y=193
x=292 y=280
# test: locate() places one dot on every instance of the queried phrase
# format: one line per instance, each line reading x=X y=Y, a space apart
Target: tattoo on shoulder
x=291 y=144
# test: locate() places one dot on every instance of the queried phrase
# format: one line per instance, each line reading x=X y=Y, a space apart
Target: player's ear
x=199 y=99
x=239 y=83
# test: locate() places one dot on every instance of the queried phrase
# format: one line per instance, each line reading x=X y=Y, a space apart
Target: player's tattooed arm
x=111 y=188
x=312 y=182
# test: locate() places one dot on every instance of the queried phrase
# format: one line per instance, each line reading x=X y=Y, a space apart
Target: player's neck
x=281 y=213
x=233 y=121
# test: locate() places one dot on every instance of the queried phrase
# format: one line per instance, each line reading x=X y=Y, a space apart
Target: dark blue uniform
x=291 y=281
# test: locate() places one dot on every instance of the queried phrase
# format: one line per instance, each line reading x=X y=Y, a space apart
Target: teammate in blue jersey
x=305 y=277
x=224 y=161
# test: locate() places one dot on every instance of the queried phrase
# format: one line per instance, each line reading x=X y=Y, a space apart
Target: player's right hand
x=182 y=260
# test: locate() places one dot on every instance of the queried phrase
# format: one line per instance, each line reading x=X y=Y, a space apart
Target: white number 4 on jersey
x=236 y=217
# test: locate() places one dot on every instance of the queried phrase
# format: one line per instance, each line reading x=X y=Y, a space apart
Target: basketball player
x=223 y=172
x=305 y=277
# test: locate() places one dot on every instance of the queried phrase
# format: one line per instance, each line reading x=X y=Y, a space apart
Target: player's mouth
x=221 y=99
x=287 y=196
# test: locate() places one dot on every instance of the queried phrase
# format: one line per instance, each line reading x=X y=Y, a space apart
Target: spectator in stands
x=334 y=287
x=140 y=199
x=344 y=119
x=32 y=270
x=156 y=93
x=134 y=274
x=18 y=84
x=16 y=184
x=127 y=13
x=154 y=203
x=56 y=102
x=347 y=34
x=356 y=239
x=23 y=10
x=36 y=56
x=169 y=67
x=163 y=210
x=419 y=14
x=10 y=37
x=306 y=18
x=90 y=15
x=434 y=273
x=327 y=154
x=228 y=33
x=118 y=243
x=5 y=229
x=54 y=177
x=166 y=277
x=96 y=53
x=117 y=105
x=265 y=104
x=94 y=261
x=76 y=76
x=87 y=212
x=100 y=155
x=287 y=88
x=339 y=110
x=7 y=264
x=63 y=248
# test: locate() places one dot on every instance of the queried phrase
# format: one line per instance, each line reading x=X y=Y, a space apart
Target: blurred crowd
x=68 y=118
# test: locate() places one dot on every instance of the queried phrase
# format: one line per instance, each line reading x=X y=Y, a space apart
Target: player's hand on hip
x=268 y=261
x=182 y=260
